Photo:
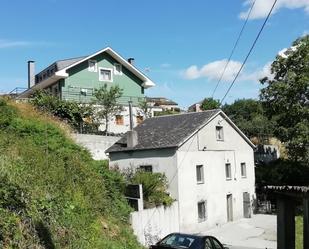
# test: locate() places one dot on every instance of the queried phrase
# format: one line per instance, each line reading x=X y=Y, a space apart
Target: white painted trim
x=106 y=69
x=95 y=65
x=115 y=71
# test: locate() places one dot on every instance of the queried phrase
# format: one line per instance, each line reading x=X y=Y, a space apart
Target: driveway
x=255 y=233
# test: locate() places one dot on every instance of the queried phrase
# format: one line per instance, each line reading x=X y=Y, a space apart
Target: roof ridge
x=72 y=58
x=186 y=113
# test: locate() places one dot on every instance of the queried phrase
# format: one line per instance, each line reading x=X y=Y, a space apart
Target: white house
x=208 y=162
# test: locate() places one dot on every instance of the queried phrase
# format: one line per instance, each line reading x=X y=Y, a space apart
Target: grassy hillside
x=52 y=194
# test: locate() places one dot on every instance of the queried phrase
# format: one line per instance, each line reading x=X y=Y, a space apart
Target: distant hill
x=52 y=194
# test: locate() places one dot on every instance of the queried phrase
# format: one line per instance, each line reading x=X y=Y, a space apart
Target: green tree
x=107 y=98
x=285 y=98
x=209 y=104
x=249 y=116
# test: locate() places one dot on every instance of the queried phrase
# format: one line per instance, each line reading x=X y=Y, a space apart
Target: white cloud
x=10 y=44
x=213 y=70
x=262 y=7
x=257 y=74
x=13 y=44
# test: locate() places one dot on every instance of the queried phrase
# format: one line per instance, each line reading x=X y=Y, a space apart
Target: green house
x=76 y=78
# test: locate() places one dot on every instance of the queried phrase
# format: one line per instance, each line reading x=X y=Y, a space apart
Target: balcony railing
x=86 y=95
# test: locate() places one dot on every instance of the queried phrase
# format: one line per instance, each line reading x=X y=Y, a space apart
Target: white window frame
x=204 y=218
x=201 y=168
x=243 y=171
x=106 y=69
x=229 y=171
x=95 y=66
x=115 y=71
x=219 y=129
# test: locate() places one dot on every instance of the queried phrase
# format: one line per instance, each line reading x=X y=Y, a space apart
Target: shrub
x=79 y=116
x=154 y=188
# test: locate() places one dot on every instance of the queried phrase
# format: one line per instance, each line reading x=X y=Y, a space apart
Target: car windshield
x=178 y=241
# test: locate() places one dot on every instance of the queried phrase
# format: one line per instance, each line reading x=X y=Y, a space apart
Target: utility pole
x=131 y=115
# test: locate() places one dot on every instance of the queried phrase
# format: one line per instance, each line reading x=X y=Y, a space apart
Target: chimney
x=31 y=74
x=131 y=61
x=132 y=139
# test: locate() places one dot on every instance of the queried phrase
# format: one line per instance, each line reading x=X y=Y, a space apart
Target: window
x=228 y=172
x=243 y=170
x=178 y=240
x=219 y=133
x=201 y=208
x=117 y=69
x=199 y=173
x=119 y=120
x=146 y=168
x=92 y=66
x=216 y=244
x=208 y=244
x=105 y=74
x=139 y=119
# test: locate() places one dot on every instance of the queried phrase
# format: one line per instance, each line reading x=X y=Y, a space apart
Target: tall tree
x=249 y=116
x=209 y=104
x=107 y=99
x=285 y=98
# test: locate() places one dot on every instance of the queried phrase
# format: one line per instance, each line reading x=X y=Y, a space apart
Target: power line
x=233 y=50
x=253 y=45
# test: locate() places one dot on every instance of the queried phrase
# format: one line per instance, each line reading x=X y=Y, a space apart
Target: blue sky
x=180 y=45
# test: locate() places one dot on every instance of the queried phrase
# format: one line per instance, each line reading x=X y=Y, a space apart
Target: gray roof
x=165 y=131
x=61 y=64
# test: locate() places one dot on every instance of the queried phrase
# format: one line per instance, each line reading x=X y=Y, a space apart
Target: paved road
x=259 y=232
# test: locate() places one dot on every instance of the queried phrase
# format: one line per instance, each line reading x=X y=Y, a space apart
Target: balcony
x=86 y=95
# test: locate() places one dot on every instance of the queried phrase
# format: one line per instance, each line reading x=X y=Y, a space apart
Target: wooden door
x=246 y=205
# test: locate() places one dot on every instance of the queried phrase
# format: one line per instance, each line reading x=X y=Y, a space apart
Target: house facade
x=207 y=160
x=75 y=80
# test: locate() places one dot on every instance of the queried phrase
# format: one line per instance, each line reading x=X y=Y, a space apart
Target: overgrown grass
x=52 y=194
x=299 y=232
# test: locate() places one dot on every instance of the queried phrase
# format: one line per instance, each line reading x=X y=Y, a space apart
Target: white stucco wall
x=151 y=225
x=115 y=128
x=163 y=161
x=204 y=149
x=95 y=144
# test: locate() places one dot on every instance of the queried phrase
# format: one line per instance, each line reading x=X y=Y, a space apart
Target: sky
x=181 y=45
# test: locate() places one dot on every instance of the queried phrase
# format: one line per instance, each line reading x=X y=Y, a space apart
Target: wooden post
x=285 y=223
x=306 y=223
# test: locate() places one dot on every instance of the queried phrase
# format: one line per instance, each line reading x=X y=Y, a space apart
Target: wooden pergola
x=287 y=197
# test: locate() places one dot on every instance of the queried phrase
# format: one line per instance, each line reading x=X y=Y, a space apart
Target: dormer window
x=92 y=66
x=117 y=69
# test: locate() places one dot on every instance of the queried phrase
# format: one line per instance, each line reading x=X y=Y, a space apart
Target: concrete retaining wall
x=151 y=225
x=96 y=144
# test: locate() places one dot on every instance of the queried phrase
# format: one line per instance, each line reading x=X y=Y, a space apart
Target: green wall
x=80 y=77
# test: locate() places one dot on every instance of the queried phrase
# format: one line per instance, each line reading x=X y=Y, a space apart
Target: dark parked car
x=182 y=241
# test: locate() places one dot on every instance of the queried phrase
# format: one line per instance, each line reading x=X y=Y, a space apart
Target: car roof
x=191 y=235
